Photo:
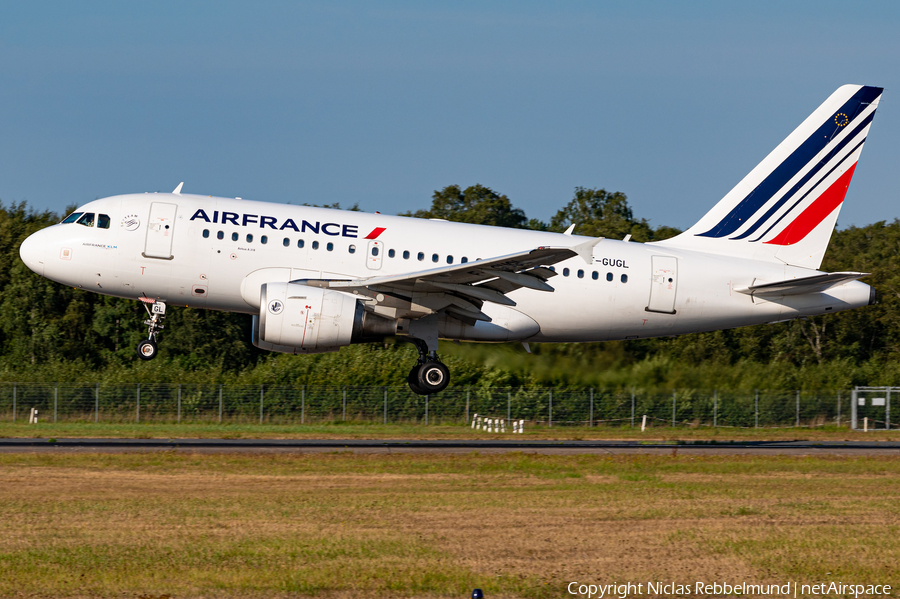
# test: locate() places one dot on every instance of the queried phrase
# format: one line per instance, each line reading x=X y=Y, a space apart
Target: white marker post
x=643 y=423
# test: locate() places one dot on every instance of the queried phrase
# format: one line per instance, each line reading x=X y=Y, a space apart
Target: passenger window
x=580 y=274
x=264 y=239
x=464 y=260
x=249 y=238
x=565 y=272
x=103 y=221
x=595 y=275
x=300 y=243
x=434 y=257
x=72 y=218
x=449 y=259
x=234 y=237
x=286 y=242
x=87 y=219
x=420 y=256
x=609 y=276
x=329 y=246
x=553 y=268
x=352 y=249
x=406 y=254
x=220 y=235
x=391 y=253
x=315 y=245
x=624 y=278
x=375 y=251
x=205 y=233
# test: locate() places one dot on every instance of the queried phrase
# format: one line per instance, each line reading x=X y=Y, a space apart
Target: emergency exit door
x=375 y=255
x=160 y=230
x=663 y=284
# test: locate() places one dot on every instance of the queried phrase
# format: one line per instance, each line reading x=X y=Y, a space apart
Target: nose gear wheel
x=148 y=348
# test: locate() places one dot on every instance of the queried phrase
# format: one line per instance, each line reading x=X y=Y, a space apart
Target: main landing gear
x=148 y=349
x=429 y=375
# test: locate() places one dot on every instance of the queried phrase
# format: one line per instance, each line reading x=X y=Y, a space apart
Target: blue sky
x=382 y=103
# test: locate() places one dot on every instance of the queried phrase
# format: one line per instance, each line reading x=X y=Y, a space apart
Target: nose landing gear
x=429 y=375
x=148 y=348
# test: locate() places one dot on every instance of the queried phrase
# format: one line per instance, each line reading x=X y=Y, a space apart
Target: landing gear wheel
x=413 y=380
x=433 y=377
x=146 y=349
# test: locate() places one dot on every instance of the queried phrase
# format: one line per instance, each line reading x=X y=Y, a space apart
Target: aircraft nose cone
x=32 y=253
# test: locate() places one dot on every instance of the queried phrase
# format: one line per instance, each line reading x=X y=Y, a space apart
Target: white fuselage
x=194 y=267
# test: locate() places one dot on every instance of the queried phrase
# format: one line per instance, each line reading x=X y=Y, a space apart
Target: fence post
x=97 y=404
x=303 y=404
x=137 y=414
x=715 y=408
x=550 y=413
x=467 y=407
x=798 y=407
x=632 y=408
x=673 y=408
x=887 y=410
x=591 y=416
x=344 y=405
x=14 y=402
x=220 y=404
x=385 y=403
x=508 y=406
x=853 y=421
x=179 y=404
x=261 y=392
x=756 y=410
x=426 y=409
x=839 y=410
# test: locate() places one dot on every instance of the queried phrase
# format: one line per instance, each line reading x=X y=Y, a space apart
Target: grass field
x=373 y=525
x=355 y=430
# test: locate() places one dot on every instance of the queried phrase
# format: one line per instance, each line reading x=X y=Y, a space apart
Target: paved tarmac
x=453 y=446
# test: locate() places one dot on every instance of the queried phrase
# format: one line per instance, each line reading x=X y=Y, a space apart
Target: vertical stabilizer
x=786 y=208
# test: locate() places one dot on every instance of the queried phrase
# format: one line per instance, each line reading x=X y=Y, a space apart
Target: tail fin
x=786 y=208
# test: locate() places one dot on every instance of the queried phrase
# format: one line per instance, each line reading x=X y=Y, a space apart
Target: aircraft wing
x=802 y=285
x=461 y=289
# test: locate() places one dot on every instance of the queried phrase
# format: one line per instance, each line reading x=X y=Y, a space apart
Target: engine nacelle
x=299 y=319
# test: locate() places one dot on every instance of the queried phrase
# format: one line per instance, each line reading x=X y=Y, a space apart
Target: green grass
x=364 y=430
x=414 y=525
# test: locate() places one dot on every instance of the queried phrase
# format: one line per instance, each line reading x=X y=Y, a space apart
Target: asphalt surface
x=453 y=446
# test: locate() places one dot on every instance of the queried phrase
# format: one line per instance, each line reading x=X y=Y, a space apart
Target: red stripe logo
x=816 y=212
x=375 y=233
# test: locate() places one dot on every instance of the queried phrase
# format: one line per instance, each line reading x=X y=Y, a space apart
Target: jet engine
x=299 y=319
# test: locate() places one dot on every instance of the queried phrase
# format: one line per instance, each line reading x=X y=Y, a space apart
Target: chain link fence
x=69 y=402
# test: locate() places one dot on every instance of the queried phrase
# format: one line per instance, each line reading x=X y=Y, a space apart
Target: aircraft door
x=160 y=229
x=663 y=284
x=375 y=254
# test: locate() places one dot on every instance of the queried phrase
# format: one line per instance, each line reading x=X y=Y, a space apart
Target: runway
x=14 y=445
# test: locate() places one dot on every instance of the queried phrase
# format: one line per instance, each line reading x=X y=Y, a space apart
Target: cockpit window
x=72 y=218
x=87 y=219
x=103 y=221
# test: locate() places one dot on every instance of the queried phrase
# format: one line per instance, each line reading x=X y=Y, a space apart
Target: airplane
x=315 y=279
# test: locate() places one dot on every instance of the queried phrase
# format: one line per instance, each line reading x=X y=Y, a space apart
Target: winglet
x=178 y=189
x=586 y=249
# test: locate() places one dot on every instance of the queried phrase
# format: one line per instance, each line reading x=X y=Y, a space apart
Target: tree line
x=49 y=332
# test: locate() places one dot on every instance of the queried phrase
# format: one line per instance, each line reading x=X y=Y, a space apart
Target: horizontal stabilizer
x=813 y=284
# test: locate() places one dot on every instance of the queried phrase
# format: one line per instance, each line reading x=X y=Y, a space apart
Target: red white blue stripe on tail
x=793 y=197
